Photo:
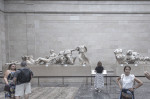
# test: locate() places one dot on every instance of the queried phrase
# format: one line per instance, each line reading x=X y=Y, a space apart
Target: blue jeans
x=126 y=91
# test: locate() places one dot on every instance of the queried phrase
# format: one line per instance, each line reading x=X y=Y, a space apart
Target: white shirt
x=127 y=81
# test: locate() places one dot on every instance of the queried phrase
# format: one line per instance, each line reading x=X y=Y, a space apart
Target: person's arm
x=118 y=82
x=147 y=75
x=15 y=80
x=140 y=83
x=5 y=76
x=31 y=74
x=95 y=69
x=15 y=76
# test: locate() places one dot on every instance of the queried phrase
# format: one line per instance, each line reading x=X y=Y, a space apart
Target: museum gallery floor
x=81 y=91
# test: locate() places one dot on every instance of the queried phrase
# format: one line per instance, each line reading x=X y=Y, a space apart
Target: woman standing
x=99 y=80
x=127 y=81
x=8 y=78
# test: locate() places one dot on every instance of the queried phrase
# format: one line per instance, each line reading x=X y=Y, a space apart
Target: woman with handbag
x=127 y=87
x=9 y=84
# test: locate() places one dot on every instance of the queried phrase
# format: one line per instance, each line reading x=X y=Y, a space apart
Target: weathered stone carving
x=47 y=59
x=131 y=57
x=120 y=57
x=12 y=62
x=30 y=60
x=68 y=55
x=64 y=57
x=82 y=57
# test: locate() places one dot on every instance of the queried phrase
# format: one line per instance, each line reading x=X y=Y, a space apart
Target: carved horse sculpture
x=120 y=57
x=65 y=57
x=132 y=57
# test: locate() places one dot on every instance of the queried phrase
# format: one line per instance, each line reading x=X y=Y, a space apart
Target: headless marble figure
x=82 y=57
x=48 y=59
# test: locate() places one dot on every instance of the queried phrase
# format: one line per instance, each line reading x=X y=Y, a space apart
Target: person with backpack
x=22 y=79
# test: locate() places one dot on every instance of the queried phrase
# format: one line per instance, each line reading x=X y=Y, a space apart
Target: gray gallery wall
x=2 y=35
x=34 y=27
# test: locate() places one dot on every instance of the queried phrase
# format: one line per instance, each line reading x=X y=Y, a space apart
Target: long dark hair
x=99 y=64
x=9 y=67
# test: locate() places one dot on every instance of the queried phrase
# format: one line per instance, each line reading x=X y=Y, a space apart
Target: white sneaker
x=96 y=89
x=99 y=90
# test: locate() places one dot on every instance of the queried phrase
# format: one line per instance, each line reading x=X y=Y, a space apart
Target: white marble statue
x=144 y=59
x=30 y=60
x=120 y=57
x=47 y=59
x=132 y=57
x=12 y=62
x=65 y=57
x=82 y=57
x=147 y=59
x=70 y=58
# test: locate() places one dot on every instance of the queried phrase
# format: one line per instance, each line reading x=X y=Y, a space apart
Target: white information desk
x=104 y=72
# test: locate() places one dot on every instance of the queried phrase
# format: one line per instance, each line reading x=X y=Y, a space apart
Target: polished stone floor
x=81 y=91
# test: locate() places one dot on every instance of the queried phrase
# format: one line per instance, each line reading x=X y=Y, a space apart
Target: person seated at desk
x=99 y=80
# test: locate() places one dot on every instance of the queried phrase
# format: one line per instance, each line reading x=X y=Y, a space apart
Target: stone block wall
x=2 y=35
x=35 y=27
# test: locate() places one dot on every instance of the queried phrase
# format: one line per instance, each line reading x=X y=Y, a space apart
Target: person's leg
x=12 y=98
x=99 y=89
x=17 y=97
x=19 y=91
x=132 y=95
x=27 y=90
x=26 y=96
x=120 y=95
x=95 y=83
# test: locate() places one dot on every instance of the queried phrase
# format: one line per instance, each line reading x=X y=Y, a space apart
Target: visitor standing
x=22 y=79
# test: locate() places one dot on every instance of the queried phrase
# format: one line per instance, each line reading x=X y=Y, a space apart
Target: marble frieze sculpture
x=131 y=57
x=65 y=57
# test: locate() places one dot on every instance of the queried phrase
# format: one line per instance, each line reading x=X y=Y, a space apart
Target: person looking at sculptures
x=127 y=80
x=8 y=79
x=99 y=80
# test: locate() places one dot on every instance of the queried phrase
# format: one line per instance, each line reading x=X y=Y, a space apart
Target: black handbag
x=6 y=88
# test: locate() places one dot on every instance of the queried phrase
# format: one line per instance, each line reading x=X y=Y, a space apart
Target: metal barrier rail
x=63 y=77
